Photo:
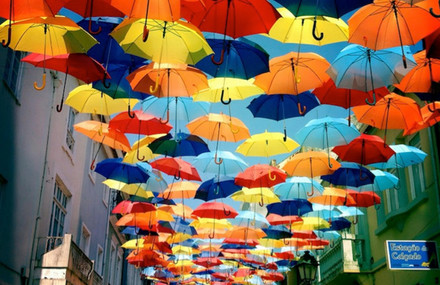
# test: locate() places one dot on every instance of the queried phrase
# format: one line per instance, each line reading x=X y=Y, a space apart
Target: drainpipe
x=40 y=195
x=434 y=158
x=104 y=258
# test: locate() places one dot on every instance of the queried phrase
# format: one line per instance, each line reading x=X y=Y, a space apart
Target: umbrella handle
x=130 y=113
x=167 y=120
x=156 y=86
x=92 y=165
x=285 y=243
x=227 y=213
x=100 y=130
x=433 y=13
x=311 y=194
x=285 y=135
x=90 y=28
x=8 y=42
x=332 y=244
x=42 y=85
x=321 y=35
x=145 y=32
x=360 y=176
x=160 y=177
x=374 y=100
x=377 y=206
x=429 y=106
x=177 y=177
x=355 y=220
x=223 y=100
x=104 y=82
x=232 y=129
x=329 y=162
x=169 y=195
x=301 y=111
x=211 y=235
x=220 y=160
x=272 y=178
x=222 y=56
x=60 y=106
x=138 y=157
x=261 y=202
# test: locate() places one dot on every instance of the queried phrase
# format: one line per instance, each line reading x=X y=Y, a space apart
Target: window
x=58 y=215
x=118 y=270
x=106 y=195
x=99 y=260
x=416 y=172
x=112 y=263
x=84 y=242
x=13 y=71
x=70 y=141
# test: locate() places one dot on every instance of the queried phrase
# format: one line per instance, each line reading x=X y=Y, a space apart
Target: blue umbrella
x=383 y=180
x=182 y=145
x=404 y=156
x=297 y=187
x=114 y=168
x=360 y=68
x=350 y=174
x=182 y=226
x=325 y=214
x=338 y=224
x=239 y=59
x=217 y=187
x=277 y=232
x=290 y=207
x=138 y=231
x=282 y=106
x=231 y=164
x=250 y=218
x=157 y=200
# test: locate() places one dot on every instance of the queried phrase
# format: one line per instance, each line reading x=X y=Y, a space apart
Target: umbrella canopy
x=404 y=156
x=250 y=219
x=176 y=167
x=297 y=187
x=182 y=145
x=350 y=174
x=140 y=123
x=297 y=207
x=310 y=164
x=180 y=190
x=382 y=180
x=328 y=8
x=170 y=42
x=168 y=10
x=115 y=169
x=261 y=195
x=126 y=207
x=217 y=187
x=260 y=175
x=288 y=72
x=267 y=144
x=215 y=210
x=309 y=224
x=276 y=219
x=20 y=10
x=333 y=196
x=364 y=199
x=220 y=163
x=136 y=189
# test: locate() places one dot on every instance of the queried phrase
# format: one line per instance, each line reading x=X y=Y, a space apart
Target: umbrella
x=360 y=68
x=267 y=144
x=329 y=94
x=217 y=187
x=404 y=156
x=215 y=210
x=365 y=198
x=182 y=145
x=391 y=112
x=310 y=164
x=48 y=36
x=382 y=180
x=141 y=123
x=180 y=190
x=384 y=24
x=296 y=207
x=226 y=89
x=136 y=189
x=260 y=175
x=78 y=65
x=277 y=232
x=297 y=187
x=229 y=164
x=86 y=99
x=333 y=197
x=176 y=167
x=127 y=207
x=309 y=224
x=115 y=169
x=168 y=80
x=244 y=59
x=275 y=219
x=261 y=195
x=170 y=42
x=167 y=10
x=250 y=218
x=347 y=175
x=365 y=149
x=288 y=74
x=325 y=133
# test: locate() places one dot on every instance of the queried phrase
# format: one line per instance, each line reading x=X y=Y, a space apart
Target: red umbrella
x=365 y=149
x=78 y=65
x=140 y=123
x=215 y=210
x=364 y=199
x=126 y=207
x=304 y=234
x=273 y=276
x=275 y=219
x=176 y=167
x=286 y=255
x=207 y=261
x=260 y=175
x=329 y=94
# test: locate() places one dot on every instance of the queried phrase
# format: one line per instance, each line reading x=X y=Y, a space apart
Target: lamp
x=307 y=267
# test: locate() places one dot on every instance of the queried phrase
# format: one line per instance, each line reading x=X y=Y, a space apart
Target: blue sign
x=412 y=255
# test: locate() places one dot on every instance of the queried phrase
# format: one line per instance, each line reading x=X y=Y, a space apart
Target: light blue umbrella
x=326 y=132
x=382 y=180
x=360 y=68
x=297 y=187
x=349 y=211
x=404 y=156
x=325 y=214
x=231 y=164
x=250 y=218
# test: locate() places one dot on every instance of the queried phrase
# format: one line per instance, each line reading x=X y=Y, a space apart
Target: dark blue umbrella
x=282 y=106
x=277 y=232
x=138 y=231
x=157 y=200
x=239 y=59
x=217 y=187
x=350 y=174
x=182 y=145
x=182 y=226
x=297 y=207
x=114 y=168
x=236 y=246
x=338 y=224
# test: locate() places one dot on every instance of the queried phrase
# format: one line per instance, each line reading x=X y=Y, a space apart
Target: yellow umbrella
x=267 y=144
x=201 y=223
x=180 y=190
x=170 y=42
x=261 y=195
x=86 y=99
x=134 y=244
x=184 y=250
x=178 y=237
x=309 y=224
x=225 y=89
x=271 y=243
x=298 y=30
x=47 y=35
x=131 y=189
x=141 y=151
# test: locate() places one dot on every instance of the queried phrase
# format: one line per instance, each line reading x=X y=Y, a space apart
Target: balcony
x=65 y=263
x=344 y=257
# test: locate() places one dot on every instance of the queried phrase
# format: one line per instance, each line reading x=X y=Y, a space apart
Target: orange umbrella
x=180 y=190
x=421 y=77
x=310 y=164
x=167 y=10
x=100 y=132
x=293 y=73
x=391 y=112
x=384 y=24
x=179 y=209
x=163 y=80
x=333 y=196
x=245 y=233
x=144 y=220
x=431 y=116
